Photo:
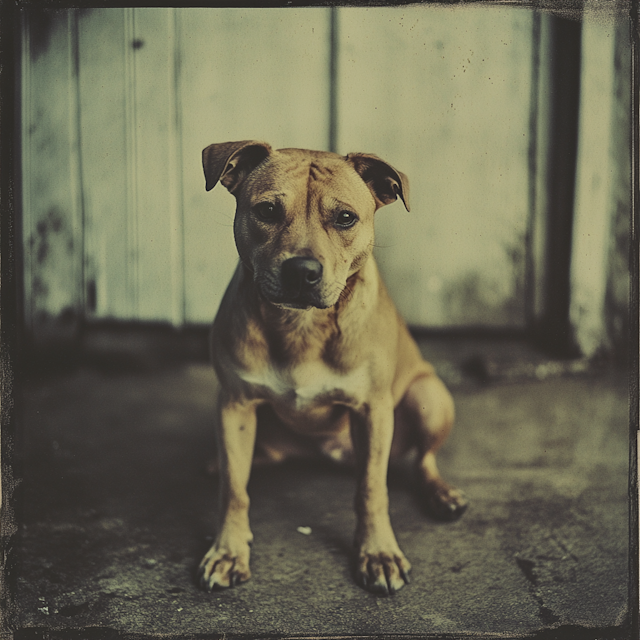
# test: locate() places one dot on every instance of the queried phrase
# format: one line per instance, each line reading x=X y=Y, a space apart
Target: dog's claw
x=222 y=569
x=383 y=574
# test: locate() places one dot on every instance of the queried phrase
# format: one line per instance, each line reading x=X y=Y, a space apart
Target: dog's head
x=304 y=219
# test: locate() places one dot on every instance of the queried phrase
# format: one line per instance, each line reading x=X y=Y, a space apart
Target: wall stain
x=38 y=288
x=474 y=299
x=42 y=24
x=52 y=224
x=51 y=246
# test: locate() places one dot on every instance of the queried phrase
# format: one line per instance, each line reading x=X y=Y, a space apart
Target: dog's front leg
x=227 y=562
x=381 y=566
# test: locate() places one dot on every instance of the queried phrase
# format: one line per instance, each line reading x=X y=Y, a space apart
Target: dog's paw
x=382 y=573
x=442 y=501
x=221 y=568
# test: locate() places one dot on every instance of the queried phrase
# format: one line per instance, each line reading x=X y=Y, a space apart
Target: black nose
x=300 y=274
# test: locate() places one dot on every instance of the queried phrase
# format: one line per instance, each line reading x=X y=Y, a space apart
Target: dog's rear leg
x=227 y=562
x=427 y=410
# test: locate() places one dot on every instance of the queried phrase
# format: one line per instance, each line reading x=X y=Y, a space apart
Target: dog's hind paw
x=382 y=573
x=441 y=500
x=221 y=569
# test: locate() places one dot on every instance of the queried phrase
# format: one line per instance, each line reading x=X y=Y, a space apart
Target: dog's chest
x=311 y=384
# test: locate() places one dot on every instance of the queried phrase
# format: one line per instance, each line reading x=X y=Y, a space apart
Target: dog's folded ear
x=385 y=182
x=231 y=162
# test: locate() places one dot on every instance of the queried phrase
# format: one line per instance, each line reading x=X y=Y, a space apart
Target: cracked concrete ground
x=117 y=509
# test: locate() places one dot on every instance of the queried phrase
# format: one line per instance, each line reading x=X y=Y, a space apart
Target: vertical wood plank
x=104 y=164
x=176 y=196
x=443 y=94
x=131 y=157
x=543 y=147
x=131 y=148
x=152 y=48
x=594 y=203
x=52 y=220
x=620 y=304
x=244 y=74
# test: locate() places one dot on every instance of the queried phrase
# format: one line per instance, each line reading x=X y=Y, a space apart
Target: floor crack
x=528 y=570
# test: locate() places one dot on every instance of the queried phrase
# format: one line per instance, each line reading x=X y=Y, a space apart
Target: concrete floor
x=117 y=509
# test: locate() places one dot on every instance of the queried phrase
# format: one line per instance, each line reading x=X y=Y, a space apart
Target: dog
x=311 y=354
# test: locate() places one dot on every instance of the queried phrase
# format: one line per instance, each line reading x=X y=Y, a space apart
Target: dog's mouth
x=282 y=301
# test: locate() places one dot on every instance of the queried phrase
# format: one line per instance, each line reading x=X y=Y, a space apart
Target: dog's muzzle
x=296 y=284
x=300 y=279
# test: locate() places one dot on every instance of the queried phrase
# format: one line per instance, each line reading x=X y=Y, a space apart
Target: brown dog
x=311 y=353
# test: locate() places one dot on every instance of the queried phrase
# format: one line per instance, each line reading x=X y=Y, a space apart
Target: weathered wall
x=117 y=105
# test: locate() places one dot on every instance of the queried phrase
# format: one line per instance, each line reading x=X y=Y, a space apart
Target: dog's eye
x=267 y=211
x=346 y=219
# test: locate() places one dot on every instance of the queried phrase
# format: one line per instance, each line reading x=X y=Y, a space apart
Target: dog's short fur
x=311 y=354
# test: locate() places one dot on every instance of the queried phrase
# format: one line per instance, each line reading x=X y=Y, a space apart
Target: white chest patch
x=310 y=382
